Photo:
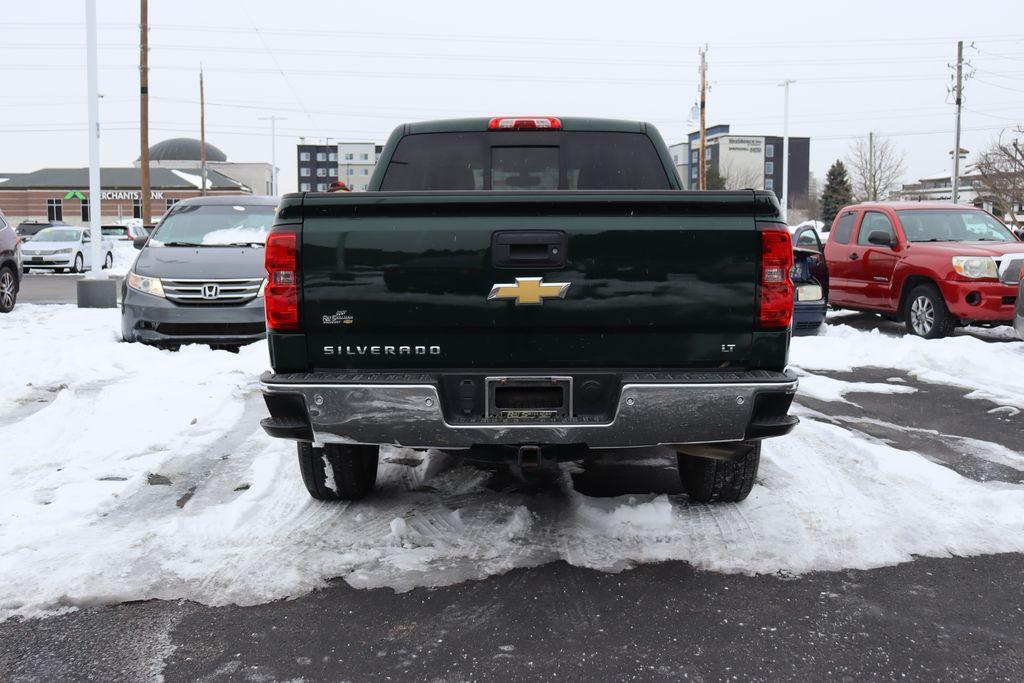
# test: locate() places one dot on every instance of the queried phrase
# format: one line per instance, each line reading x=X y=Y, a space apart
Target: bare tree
x=1000 y=172
x=877 y=167
x=740 y=178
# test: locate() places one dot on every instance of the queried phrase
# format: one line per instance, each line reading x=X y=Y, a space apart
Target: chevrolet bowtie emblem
x=529 y=290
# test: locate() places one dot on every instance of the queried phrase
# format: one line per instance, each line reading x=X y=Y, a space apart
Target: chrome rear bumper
x=411 y=414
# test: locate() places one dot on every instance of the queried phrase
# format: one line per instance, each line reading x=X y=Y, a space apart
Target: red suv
x=936 y=266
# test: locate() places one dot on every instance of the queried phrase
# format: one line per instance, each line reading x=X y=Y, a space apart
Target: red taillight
x=525 y=123
x=281 y=299
x=776 y=304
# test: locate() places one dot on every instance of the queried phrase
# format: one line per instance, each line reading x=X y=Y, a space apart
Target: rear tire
x=926 y=314
x=707 y=480
x=353 y=469
x=108 y=261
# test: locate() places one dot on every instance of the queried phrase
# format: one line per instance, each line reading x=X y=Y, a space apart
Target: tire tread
x=707 y=480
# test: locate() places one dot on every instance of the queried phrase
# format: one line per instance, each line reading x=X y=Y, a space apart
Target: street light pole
x=92 y=79
x=96 y=291
x=273 y=150
x=785 y=150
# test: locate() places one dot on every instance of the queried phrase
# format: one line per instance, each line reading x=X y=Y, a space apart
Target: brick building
x=62 y=193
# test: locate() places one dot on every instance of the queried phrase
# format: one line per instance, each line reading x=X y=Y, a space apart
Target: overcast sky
x=352 y=71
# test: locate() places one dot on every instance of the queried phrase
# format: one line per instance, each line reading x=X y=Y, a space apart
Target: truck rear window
x=518 y=161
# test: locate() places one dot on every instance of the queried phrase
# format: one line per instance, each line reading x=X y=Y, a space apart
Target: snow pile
x=989 y=370
x=130 y=473
x=828 y=389
x=124 y=256
x=240 y=234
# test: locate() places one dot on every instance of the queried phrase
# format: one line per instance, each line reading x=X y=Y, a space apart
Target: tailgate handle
x=528 y=249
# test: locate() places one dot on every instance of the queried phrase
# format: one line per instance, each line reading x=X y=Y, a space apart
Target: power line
x=554 y=40
x=270 y=53
x=385 y=54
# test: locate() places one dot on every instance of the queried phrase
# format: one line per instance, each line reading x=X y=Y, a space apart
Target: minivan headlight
x=146 y=285
x=975 y=266
x=68 y=250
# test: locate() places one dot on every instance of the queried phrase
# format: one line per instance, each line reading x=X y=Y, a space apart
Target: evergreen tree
x=715 y=181
x=837 y=192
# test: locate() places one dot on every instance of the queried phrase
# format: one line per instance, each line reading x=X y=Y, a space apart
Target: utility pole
x=703 y=121
x=202 y=134
x=273 y=150
x=959 y=95
x=785 y=150
x=872 y=192
x=144 y=111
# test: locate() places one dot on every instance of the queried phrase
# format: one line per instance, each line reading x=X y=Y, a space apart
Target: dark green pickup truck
x=525 y=290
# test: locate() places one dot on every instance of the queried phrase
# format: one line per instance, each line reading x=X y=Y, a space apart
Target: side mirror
x=140 y=242
x=881 y=238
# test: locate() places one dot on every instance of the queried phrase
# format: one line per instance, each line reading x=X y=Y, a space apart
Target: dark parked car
x=10 y=265
x=26 y=230
x=810 y=281
x=199 y=277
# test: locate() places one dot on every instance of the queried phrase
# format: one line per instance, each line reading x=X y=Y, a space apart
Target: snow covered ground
x=129 y=473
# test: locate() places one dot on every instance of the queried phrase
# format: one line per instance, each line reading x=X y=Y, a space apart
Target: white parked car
x=64 y=248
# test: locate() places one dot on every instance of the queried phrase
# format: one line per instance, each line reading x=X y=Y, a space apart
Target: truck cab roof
x=569 y=123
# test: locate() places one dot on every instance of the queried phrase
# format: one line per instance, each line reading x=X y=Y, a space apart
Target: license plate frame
x=515 y=404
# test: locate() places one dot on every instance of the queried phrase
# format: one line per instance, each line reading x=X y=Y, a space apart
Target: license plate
x=36 y=259
x=529 y=399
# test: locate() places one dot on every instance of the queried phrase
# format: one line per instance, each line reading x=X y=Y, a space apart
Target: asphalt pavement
x=929 y=619
x=957 y=619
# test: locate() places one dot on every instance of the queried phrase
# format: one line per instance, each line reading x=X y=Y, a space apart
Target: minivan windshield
x=57 y=235
x=214 y=225
x=952 y=225
x=522 y=161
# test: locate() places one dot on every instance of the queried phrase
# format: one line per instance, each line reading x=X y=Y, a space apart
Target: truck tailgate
x=655 y=279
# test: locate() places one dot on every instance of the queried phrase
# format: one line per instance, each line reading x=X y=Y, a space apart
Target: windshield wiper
x=181 y=244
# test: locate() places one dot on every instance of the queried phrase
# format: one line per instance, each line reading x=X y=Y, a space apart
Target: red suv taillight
x=776 y=300
x=281 y=298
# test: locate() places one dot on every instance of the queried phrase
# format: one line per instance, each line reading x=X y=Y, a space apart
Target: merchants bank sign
x=110 y=195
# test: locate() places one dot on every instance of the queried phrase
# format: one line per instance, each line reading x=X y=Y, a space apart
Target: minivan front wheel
x=108 y=262
x=79 y=266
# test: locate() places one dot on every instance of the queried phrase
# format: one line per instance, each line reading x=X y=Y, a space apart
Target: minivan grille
x=217 y=292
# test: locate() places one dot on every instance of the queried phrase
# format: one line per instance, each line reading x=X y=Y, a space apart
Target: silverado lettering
x=382 y=350
x=583 y=302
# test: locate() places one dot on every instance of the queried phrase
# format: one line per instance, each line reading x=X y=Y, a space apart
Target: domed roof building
x=184 y=154
x=184 y=149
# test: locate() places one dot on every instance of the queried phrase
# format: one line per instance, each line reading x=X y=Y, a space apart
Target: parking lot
x=868 y=548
